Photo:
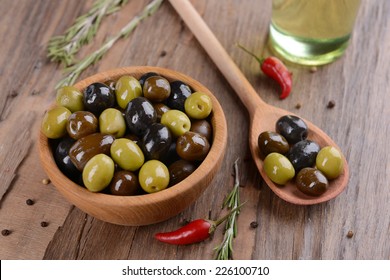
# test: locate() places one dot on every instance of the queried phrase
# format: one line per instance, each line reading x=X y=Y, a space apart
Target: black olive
x=171 y=155
x=139 y=115
x=303 y=154
x=98 y=97
x=179 y=170
x=156 y=141
x=294 y=129
x=62 y=159
x=179 y=93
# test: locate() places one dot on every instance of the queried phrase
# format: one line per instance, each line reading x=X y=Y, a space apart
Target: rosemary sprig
x=75 y=70
x=225 y=250
x=63 y=48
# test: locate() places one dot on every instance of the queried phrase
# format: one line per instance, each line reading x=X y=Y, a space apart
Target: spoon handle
x=218 y=54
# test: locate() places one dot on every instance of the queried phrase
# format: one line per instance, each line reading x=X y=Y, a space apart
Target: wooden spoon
x=262 y=116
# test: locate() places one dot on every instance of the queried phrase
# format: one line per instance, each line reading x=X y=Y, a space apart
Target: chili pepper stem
x=260 y=60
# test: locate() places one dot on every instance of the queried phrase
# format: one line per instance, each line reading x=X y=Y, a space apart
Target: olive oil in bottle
x=312 y=32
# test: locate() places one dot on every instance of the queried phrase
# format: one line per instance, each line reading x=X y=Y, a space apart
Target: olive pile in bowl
x=133 y=145
x=288 y=155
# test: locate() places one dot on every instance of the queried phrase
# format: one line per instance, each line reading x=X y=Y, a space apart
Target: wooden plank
x=358 y=83
x=28 y=81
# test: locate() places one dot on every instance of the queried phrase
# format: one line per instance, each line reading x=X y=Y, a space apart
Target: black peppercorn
x=44 y=224
x=254 y=224
x=5 y=232
x=331 y=104
x=29 y=202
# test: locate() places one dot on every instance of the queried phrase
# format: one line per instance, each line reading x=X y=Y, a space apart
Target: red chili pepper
x=193 y=232
x=275 y=69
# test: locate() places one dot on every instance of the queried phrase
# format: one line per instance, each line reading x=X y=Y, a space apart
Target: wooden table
x=358 y=83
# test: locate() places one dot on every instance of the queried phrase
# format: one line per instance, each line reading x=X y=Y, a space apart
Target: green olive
x=198 y=105
x=330 y=162
x=278 y=168
x=127 y=154
x=98 y=173
x=54 y=122
x=176 y=121
x=111 y=121
x=153 y=176
x=126 y=89
x=71 y=98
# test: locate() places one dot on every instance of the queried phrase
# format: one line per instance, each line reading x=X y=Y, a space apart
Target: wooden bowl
x=148 y=208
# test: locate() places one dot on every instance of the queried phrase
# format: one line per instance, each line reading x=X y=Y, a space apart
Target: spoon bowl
x=264 y=119
x=263 y=116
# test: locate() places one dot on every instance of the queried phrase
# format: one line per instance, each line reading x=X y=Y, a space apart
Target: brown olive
x=192 y=146
x=81 y=123
x=160 y=109
x=87 y=147
x=145 y=76
x=311 y=181
x=203 y=127
x=156 y=89
x=179 y=170
x=124 y=183
x=272 y=142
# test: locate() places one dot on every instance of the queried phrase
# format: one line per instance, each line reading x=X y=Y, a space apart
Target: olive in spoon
x=262 y=116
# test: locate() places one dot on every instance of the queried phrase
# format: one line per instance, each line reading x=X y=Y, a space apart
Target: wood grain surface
x=359 y=123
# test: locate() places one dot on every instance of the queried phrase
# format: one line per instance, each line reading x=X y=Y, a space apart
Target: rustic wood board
x=358 y=83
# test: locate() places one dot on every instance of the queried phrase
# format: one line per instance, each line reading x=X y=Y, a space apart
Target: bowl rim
x=214 y=156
